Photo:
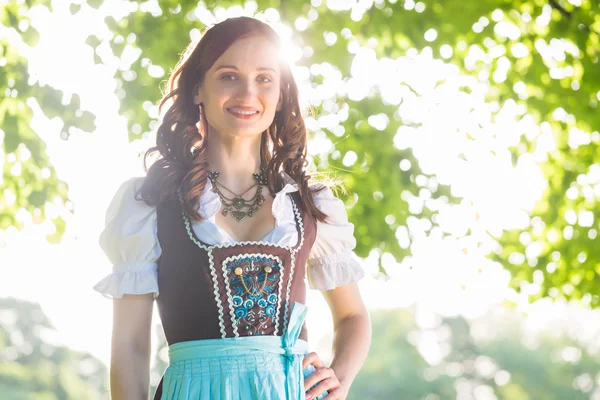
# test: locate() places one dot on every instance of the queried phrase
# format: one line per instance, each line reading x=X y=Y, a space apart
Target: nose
x=246 y=92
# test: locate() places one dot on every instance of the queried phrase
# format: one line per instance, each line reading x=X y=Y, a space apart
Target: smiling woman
x=244 y=83
x=230 y=267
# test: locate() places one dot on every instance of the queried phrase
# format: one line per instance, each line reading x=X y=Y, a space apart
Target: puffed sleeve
x=330 y=263
x=130 y=242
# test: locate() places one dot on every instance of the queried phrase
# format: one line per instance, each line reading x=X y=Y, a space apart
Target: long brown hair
x=183 y=161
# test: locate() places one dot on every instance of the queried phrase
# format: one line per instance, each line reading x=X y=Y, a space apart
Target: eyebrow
x=236 y=68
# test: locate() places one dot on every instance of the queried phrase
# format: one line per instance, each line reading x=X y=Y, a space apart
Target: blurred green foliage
x=503 y=361
x=541 y=54
x=37 y=182
x=34 y=367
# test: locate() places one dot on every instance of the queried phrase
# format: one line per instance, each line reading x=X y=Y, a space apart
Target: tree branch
x=568 y=15
x=554 y=4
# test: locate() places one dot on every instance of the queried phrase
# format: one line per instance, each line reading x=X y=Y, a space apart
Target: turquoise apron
x=241 y=368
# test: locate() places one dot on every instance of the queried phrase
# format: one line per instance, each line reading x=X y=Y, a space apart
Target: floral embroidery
x=254 y=293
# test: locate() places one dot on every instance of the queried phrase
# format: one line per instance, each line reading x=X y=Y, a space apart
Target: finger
x=335 y=394
x=308 y=359
x=318 y=376
x=312 y=358
x=329 y=383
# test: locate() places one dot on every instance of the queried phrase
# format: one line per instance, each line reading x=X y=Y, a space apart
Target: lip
x=242 y=116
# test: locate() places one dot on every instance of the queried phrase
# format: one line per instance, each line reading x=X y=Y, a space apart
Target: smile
x=243 y=114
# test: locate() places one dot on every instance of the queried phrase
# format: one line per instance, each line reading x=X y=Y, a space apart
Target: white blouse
x=130 y=241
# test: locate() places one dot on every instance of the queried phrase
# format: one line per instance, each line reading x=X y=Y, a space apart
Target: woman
x=230 y=260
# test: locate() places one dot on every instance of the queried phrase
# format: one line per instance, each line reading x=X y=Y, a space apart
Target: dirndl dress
x=233 y=314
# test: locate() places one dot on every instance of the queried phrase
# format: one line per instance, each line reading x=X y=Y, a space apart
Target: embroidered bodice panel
x=229 y=290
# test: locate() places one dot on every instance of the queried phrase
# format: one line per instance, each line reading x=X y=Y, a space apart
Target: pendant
x=238 y=215
x=238 y=203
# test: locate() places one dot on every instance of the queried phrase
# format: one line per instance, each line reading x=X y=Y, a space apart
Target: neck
x=236 y=159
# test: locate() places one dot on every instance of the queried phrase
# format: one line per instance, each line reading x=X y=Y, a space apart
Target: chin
x=250 y=129
x=246 y=131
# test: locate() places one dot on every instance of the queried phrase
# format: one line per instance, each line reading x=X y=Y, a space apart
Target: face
x=242 y=91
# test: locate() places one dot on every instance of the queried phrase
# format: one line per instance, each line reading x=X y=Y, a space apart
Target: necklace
x=236 y=204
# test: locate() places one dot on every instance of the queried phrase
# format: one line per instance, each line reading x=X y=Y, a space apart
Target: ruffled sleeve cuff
x=331 y=271
x=130 y=278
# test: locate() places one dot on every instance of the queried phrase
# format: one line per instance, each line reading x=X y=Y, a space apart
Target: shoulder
x=321 y=191
x=132 y=185
x=125 y=204
x=327 y=201
x=326 y=187
x=128 y=188
x=330 y=263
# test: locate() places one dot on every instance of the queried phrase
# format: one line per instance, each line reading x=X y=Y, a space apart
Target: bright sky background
x=444 y=278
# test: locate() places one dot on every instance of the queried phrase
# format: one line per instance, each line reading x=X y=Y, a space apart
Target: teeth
x=243 y=112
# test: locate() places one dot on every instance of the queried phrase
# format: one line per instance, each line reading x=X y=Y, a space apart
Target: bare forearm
x=129 y=374
x=351 y=343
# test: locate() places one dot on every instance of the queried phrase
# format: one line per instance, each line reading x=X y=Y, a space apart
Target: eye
x=265 y=79
x=228 y=77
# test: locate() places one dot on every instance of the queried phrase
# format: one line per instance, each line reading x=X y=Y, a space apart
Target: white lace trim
x=301 y=224
x=213 y=272
x=293 y=265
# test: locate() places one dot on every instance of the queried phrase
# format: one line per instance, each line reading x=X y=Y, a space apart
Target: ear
x=197 y=95
x=280 y=102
